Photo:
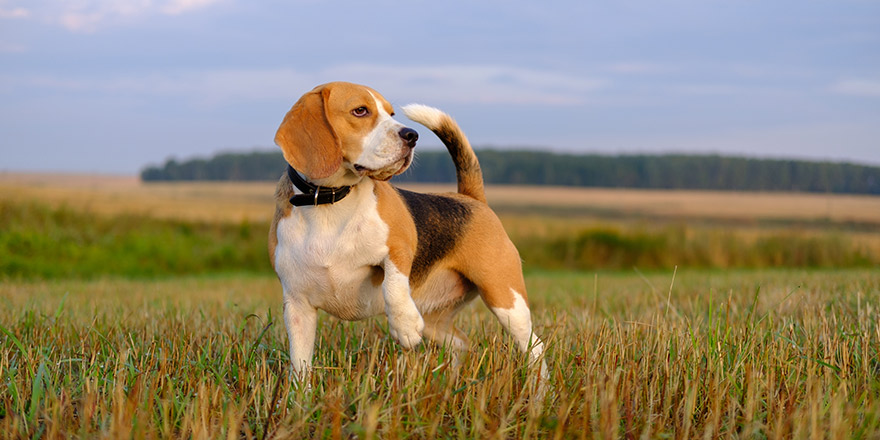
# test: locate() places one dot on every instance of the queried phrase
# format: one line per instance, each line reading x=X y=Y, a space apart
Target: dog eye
x=360 y=112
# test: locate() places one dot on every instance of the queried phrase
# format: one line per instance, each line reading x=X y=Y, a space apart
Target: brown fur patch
x=402 y=237
x=307 y=139
x=488 y=258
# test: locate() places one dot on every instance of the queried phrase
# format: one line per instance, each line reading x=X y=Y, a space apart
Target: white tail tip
x=428 y=116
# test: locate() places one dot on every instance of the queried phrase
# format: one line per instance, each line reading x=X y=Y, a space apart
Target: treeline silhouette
x=668 y=171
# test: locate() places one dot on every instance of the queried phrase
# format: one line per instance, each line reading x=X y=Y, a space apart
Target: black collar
x=314 y=195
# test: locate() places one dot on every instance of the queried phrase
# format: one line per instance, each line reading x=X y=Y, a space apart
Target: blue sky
x=112 y=86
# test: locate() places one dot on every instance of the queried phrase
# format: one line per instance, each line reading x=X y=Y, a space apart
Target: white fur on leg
x=517 y=320
x=405 y=323
x=301 y=321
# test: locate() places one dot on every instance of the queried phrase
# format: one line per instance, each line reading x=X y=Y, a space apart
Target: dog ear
x=307 y=139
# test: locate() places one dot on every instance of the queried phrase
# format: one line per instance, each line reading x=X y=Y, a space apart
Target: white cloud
x=14 y=13
x=857 y=87
x=91 y=15
x=81 y=22
x=429 y=84
x=489 y=84
x=176 y=7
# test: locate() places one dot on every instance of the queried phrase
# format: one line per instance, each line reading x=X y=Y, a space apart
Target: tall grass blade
x=14 y=340
x=38 y=390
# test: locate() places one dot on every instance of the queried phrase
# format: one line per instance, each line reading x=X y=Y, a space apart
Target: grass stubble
x=684 y=354
x=687 y=353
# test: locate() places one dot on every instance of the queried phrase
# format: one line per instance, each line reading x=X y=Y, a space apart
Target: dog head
x=339 y=133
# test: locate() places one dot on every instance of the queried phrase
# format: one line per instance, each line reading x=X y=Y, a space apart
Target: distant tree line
x=257 y=165
x=669 y=171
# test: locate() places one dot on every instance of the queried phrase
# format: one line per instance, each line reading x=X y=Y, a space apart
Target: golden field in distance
x=253 y=201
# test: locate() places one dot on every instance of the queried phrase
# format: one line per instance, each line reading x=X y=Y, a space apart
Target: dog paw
x=406 y=328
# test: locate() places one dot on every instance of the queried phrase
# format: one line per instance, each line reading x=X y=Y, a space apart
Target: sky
x=113 y=86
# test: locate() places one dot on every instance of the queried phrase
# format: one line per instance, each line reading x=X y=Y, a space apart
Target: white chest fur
x=326 y=255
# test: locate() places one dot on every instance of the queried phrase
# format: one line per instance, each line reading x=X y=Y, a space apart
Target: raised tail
x=467 y=168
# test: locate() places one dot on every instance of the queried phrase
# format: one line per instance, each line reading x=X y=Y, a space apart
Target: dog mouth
x=398 y=166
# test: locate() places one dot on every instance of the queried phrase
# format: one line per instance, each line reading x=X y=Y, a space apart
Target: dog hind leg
x=517 y=321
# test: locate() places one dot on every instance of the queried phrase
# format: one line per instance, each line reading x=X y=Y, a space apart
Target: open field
x=555 y=228
x=106 y=332
x=86 y=226
x=778 y=354
x=235 y=201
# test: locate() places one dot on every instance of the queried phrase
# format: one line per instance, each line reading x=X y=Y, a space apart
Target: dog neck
x=313 y=195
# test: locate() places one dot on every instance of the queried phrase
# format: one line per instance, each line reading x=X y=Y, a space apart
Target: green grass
x=136 y=327
x=611 y=246
x=38 y=242
x=694 y=354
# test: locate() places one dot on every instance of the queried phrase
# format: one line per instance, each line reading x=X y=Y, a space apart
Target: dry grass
x=719 y=205
x=704 y=355
x=694 y=354
x=114 y=195
x=526 y=211
x=236 y=201
x=730 y=224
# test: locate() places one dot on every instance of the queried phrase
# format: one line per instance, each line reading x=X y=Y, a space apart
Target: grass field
x=671 y=352
x=773 y=354
x=253 y=201
x=86 y=226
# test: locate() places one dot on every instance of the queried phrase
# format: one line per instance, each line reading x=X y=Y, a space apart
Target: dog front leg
x=301 y=320
x=405 y=323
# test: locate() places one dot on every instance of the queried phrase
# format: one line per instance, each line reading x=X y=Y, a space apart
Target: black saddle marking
x=440 y=222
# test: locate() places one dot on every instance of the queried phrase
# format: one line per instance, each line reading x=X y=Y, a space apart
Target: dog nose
x=409 y=136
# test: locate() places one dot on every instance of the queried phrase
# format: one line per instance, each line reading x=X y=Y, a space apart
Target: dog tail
x=467 y=168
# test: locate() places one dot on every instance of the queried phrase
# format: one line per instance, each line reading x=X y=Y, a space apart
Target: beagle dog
x=343 y=240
